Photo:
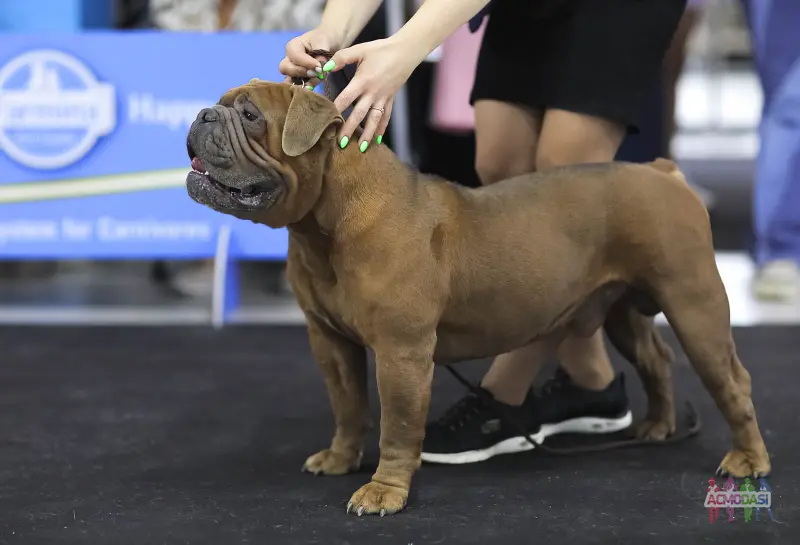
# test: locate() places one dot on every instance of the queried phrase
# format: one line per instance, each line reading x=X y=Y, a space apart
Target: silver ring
x=381 y=110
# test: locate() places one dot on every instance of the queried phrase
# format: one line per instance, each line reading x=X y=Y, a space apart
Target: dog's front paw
x=653 y=430
x=743 y=464
x=328 y=462
x=377 y=499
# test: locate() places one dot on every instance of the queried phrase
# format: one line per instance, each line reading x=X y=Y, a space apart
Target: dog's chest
x=329 y=304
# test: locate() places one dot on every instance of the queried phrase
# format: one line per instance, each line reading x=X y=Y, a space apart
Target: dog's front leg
x=344 y=367
x=405 y=371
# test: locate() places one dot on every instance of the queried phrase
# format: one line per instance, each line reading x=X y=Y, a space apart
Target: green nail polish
x=309 y=87
x=363 y=146
x=321 y=75
x=330 y=65
x=343 y=142
x=379 y=139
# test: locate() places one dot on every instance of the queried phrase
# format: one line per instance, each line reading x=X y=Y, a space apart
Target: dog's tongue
x=197 y=165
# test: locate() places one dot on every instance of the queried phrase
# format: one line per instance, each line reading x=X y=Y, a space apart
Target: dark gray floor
x=189 y=436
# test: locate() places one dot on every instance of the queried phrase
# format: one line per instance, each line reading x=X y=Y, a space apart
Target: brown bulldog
x=420 y=270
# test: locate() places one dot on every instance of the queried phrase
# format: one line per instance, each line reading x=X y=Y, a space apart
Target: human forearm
x=343 y=20
x=433 y=22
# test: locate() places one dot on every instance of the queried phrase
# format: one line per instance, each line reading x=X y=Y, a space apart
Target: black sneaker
x=565 y=407
x=479 y=427
x=476 y=428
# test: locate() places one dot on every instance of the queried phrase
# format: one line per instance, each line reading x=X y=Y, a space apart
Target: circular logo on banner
x=52 y=109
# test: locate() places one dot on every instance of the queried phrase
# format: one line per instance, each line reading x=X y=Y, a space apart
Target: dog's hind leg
x=696 y=306
x=635 y=336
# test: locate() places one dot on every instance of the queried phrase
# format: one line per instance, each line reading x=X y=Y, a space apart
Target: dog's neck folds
x=358 y=187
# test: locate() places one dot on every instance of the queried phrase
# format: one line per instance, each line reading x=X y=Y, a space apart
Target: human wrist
x=343 y=20
x=333 y=36
x=414 y=48
x=434 y=22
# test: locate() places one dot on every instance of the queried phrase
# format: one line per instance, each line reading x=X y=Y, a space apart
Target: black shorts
x=595 y=57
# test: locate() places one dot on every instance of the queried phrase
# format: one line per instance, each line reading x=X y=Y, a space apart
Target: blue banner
x=93 y=142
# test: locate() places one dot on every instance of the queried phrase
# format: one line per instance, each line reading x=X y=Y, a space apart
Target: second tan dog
x=421 y=270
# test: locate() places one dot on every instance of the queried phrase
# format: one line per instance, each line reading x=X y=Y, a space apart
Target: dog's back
x=582 y=215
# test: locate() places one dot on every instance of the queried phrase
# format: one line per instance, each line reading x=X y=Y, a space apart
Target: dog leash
x=330 y=91
x=693 y=424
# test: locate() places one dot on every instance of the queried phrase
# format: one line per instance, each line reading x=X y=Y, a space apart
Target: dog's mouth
x=254 y=195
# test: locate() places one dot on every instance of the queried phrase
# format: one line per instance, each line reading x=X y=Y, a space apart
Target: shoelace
x=457 y=415
x=560 y=381
x=692 y=421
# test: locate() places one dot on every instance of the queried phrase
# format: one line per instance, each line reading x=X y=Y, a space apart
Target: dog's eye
x=249 y=116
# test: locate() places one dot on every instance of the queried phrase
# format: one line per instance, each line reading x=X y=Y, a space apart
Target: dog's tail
x=670 y=167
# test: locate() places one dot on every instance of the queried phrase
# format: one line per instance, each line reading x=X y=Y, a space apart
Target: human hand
x=383 y=68
x=298 y=63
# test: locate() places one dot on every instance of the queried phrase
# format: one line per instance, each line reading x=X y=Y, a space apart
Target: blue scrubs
x=775 y=34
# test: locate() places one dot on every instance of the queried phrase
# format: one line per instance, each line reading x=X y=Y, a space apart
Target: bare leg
x=565 y=138
x=671 y=72
x=586 y=361
x=511 y=375
x=506 y=141
x=571 y=138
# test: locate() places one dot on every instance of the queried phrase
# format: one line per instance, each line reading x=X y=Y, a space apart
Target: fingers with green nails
x=364 y=143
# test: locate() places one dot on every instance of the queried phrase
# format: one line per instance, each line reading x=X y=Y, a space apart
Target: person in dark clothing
x=558 y=82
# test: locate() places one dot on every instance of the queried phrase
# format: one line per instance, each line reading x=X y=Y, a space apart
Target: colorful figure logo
x=748 y=487
x=763 y=486
x=730 y=486
x=747 y=498
x=713 y=512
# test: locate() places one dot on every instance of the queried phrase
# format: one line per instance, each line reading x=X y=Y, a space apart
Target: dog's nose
x=207 y=115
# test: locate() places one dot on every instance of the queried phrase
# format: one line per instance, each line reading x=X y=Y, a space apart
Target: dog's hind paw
x=739 y=463
x=653 y=430
x=377 y=499
x=328 y=462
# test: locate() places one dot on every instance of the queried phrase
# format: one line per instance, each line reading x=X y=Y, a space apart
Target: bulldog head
x=260 y=152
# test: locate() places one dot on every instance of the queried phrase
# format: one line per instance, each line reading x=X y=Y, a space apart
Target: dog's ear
x=308 y=118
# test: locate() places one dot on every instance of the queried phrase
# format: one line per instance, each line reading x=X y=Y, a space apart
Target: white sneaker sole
x=776 y=292
x=514 y=445
x=778 y=281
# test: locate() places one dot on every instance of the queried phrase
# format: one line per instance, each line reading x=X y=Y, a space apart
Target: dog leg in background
x=344 y=367
x=696 y=306
x=637 y=339
x=405 y=372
